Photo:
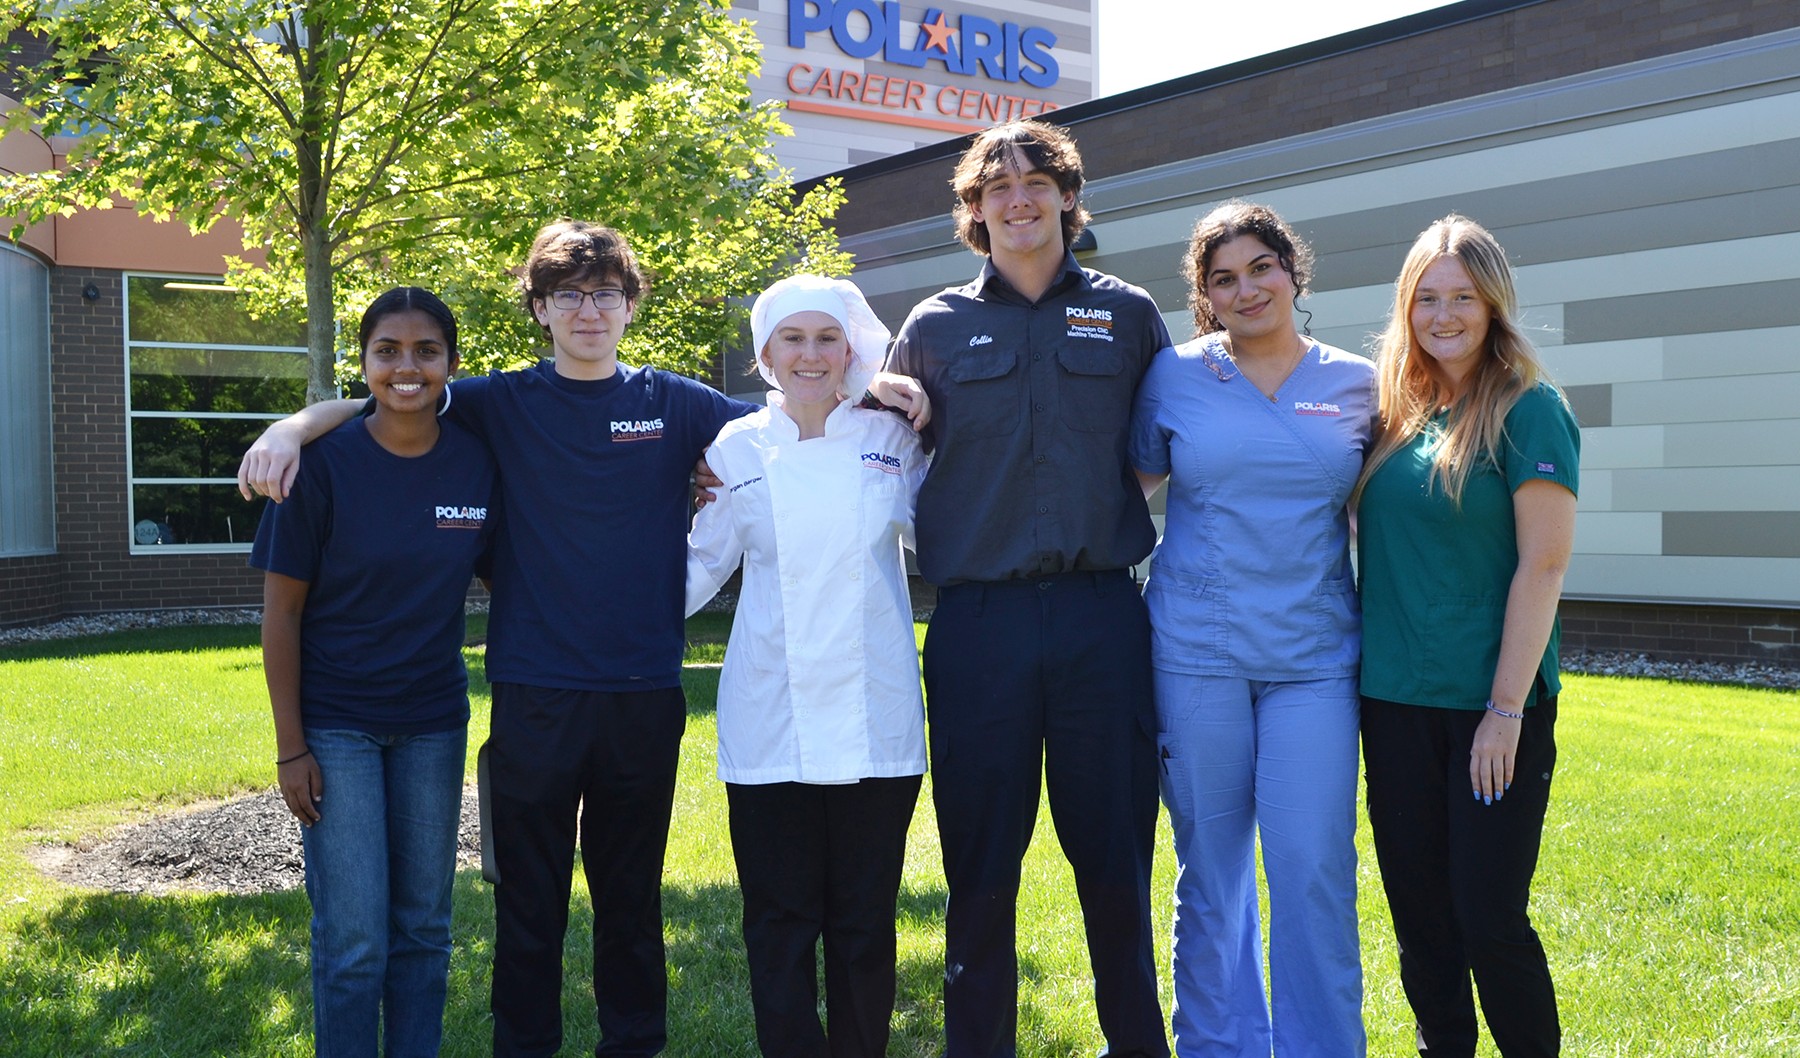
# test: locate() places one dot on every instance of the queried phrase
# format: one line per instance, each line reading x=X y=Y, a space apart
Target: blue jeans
x=1241 y=757
x=380 y=864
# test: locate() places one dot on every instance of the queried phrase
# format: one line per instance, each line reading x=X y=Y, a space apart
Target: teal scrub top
x=1252 y=576
x=1435 y=577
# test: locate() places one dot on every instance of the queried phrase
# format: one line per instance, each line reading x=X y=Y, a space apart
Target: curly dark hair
x=1225 y=223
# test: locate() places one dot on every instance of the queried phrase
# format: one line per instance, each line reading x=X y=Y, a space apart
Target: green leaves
x=425 y=141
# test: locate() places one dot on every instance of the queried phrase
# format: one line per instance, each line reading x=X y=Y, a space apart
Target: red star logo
x=939 y=32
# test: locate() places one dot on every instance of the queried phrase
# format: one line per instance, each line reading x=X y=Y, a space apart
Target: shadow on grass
x=103 y=973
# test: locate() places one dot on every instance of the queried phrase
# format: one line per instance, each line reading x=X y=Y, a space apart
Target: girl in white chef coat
x=821 y=721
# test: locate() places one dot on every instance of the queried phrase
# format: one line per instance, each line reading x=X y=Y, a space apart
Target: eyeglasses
x=604 y=298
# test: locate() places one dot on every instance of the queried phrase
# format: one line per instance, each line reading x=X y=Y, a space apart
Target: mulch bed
x=248 y=844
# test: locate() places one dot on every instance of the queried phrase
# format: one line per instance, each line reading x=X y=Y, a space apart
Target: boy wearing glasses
x=585 y=637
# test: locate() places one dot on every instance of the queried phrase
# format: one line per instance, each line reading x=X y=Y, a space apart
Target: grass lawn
x=1668 y=895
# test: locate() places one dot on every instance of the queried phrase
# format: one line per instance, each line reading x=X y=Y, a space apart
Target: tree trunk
x=321 y=320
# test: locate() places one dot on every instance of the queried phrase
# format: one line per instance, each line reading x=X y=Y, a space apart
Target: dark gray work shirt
x=1030 y=410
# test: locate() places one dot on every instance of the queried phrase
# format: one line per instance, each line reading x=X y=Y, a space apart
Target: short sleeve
x=1543 y=441
x=291 y=536
x=1148 y=446
x=708 y=411
x=902 y=358
x=469 y=404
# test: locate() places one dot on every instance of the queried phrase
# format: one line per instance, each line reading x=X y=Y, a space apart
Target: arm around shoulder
x=269 y=466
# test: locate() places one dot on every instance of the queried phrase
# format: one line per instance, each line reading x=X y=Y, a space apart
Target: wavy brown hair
x=1414 y=389
x=568 y=251
x=1044 y=146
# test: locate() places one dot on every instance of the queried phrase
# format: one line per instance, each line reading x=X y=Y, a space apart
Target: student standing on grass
x=1037 y=662
x=821 y=724
x=585 y=637
x=1466 y=517
x=367 y=566
x=1260 y=432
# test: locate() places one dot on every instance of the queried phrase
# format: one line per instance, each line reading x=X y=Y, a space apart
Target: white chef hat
x=837 y=298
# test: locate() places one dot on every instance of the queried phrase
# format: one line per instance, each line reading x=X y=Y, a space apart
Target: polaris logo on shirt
x=881 y=461
x=1316 y=407
x=1089 y=323
x=637 y=429
x=461 y=517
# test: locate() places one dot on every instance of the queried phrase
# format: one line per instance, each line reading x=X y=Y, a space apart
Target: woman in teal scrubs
x=1467 y=519
x=1260 y=432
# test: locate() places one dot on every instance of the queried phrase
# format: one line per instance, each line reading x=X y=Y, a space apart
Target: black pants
x=1458 y=875
x=612 y=757
x=821 y=861
x=1045 y=677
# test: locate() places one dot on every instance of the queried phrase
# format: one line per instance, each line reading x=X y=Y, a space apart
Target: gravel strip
x=1620 y=663
x=1597 y=663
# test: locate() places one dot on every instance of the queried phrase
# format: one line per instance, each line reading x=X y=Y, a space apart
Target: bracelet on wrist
x=295 y=757
x=1496 y=710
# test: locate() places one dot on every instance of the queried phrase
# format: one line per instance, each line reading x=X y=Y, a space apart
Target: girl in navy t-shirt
x=366 y=567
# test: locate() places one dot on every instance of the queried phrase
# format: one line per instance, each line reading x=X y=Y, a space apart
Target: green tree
x=424 y=141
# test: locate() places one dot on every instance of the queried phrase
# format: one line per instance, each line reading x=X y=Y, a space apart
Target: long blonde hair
x=1414 y=388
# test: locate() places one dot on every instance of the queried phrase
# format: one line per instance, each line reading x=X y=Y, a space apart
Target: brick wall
x=30 y=589
x=1676 y=631
x=87 y=387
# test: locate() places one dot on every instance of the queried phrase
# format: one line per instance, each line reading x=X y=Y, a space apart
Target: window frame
x=132 y=415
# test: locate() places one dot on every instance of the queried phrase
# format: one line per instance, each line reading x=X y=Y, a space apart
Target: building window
x=27 y=504
x=204 y=379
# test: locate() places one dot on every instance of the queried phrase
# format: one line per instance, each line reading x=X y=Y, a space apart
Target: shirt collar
x=835 y=423
x=991 y=283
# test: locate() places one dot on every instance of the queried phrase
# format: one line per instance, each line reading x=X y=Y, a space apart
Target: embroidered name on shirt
x=1546 y=468
x=1316 y=407
x=1089 y=323
x=881 y=461
x=981 y=339
x=461 y=517
x=742 y=484
x=637 y=429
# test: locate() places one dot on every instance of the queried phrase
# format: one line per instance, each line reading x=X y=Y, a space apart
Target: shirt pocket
x=1190 y=620
x=1462 y=647
x=985 y=399
x=1090 y=388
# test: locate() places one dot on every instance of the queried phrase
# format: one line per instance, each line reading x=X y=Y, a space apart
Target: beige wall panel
x=1663 y=578
x=1767 y=350
x=1621 y=533
x=1765 y=488
x=1728 y=263
x=1596 y=492
x=1586 y=363
x=1707 y=400
x=1757 y=442
x=1620 y=447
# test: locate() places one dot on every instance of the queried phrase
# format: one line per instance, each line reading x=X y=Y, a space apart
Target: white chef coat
x=821 y=675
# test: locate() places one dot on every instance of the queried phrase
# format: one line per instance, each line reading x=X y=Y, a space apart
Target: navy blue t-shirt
x=590 y=561
x=388 y=545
